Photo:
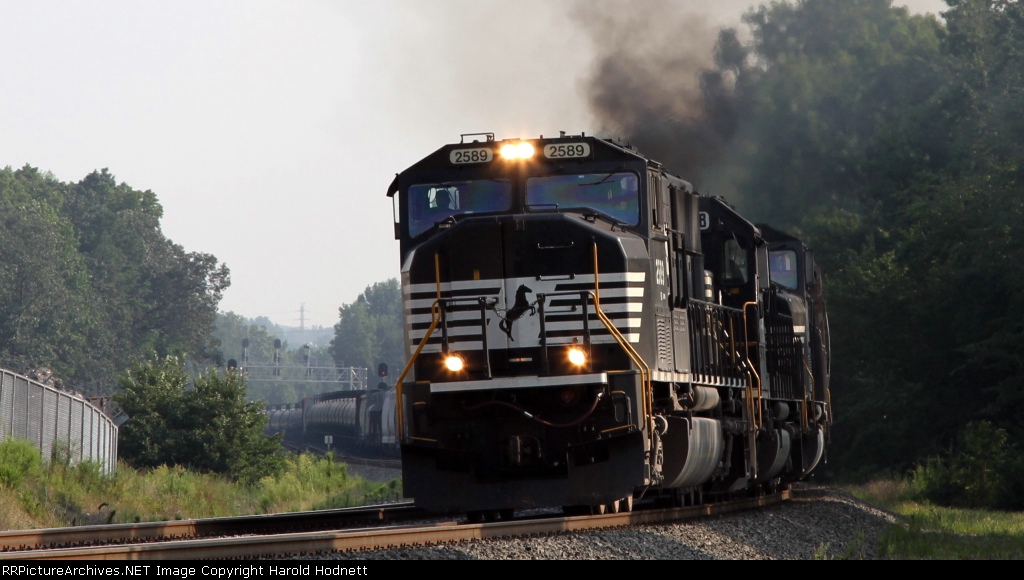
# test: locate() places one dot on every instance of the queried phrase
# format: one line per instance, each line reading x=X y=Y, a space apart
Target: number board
x=475 y=155
x=705 y=220
x=567 y=150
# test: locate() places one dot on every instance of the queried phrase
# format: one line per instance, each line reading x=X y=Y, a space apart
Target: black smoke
x=665 y=80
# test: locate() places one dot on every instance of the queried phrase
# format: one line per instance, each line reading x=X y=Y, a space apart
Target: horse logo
x=517 y=311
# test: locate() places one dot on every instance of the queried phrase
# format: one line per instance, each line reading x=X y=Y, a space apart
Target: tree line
x=89 y=284
x=92 y=289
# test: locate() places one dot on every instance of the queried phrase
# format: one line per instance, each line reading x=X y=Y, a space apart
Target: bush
x=981 y=470
x=19 y=460
x=207 y=426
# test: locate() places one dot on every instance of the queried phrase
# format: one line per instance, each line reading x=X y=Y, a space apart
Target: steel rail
x=310 y=543
x=13 y=543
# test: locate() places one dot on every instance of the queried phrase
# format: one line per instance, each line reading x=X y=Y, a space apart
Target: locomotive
x=356 y=421
x=584 y=330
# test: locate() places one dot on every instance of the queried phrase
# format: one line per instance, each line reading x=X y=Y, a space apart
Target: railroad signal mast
x=348 y=378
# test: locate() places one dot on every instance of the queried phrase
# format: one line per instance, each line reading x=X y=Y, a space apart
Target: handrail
x=434 y=319
x=642 y=366
x=755 y=418
x=399 y=407
x=807 y=395
x=645 y=369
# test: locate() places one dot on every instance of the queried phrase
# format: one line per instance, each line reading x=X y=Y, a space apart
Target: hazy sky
x=270 y=131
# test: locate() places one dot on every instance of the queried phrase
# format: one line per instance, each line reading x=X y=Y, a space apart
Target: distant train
x=353 y=421
x=584 y=330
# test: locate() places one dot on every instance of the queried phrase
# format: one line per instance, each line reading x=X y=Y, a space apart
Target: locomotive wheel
x=507 y=513
x=475 y=517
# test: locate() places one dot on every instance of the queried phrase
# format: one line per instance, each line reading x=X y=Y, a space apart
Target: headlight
x=577 y=356
x=454 y=363
x=521 y=150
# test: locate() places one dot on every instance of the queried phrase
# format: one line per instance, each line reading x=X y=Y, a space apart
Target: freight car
x=584 y=330
x=355 y=421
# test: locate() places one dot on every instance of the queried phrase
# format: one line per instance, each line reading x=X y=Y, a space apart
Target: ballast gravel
x=818 y=523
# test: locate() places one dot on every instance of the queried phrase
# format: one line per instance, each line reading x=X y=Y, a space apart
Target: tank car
x=285 y=419
x=583 y=330
x=358 y=421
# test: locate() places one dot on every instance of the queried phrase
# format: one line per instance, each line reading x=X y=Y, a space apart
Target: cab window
x=431 y=203
x=615 y=195
x=734 y=264
x=782 y=267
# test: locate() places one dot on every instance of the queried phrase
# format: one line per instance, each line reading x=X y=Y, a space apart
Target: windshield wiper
x=602 y=180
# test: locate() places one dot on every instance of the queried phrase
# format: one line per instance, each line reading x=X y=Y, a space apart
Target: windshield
x=782 y=266
x=430 y=203
x=615 y=195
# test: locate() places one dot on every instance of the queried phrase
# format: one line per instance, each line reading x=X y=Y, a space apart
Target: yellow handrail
x=434 y=319
x=755 y=417
x=399 y=407
x=642 y=366
x=645 y=370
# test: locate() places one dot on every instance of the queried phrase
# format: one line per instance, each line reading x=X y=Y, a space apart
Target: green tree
x=90 y=284
x=209 y=427
x=370 y=329
x=230 y=330
x=43 y=281
x=831 y=108
x=155 y=295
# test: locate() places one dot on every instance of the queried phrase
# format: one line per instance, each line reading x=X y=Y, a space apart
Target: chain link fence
x=54 y=419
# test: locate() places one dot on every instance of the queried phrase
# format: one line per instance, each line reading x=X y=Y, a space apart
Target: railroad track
x=261 y=542
x=21 y=541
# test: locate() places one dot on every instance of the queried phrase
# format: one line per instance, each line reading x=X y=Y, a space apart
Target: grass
x=853 y=551
x=59 y=494
x=931 y=532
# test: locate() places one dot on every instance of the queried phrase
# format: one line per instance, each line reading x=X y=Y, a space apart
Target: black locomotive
x=584 y=330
